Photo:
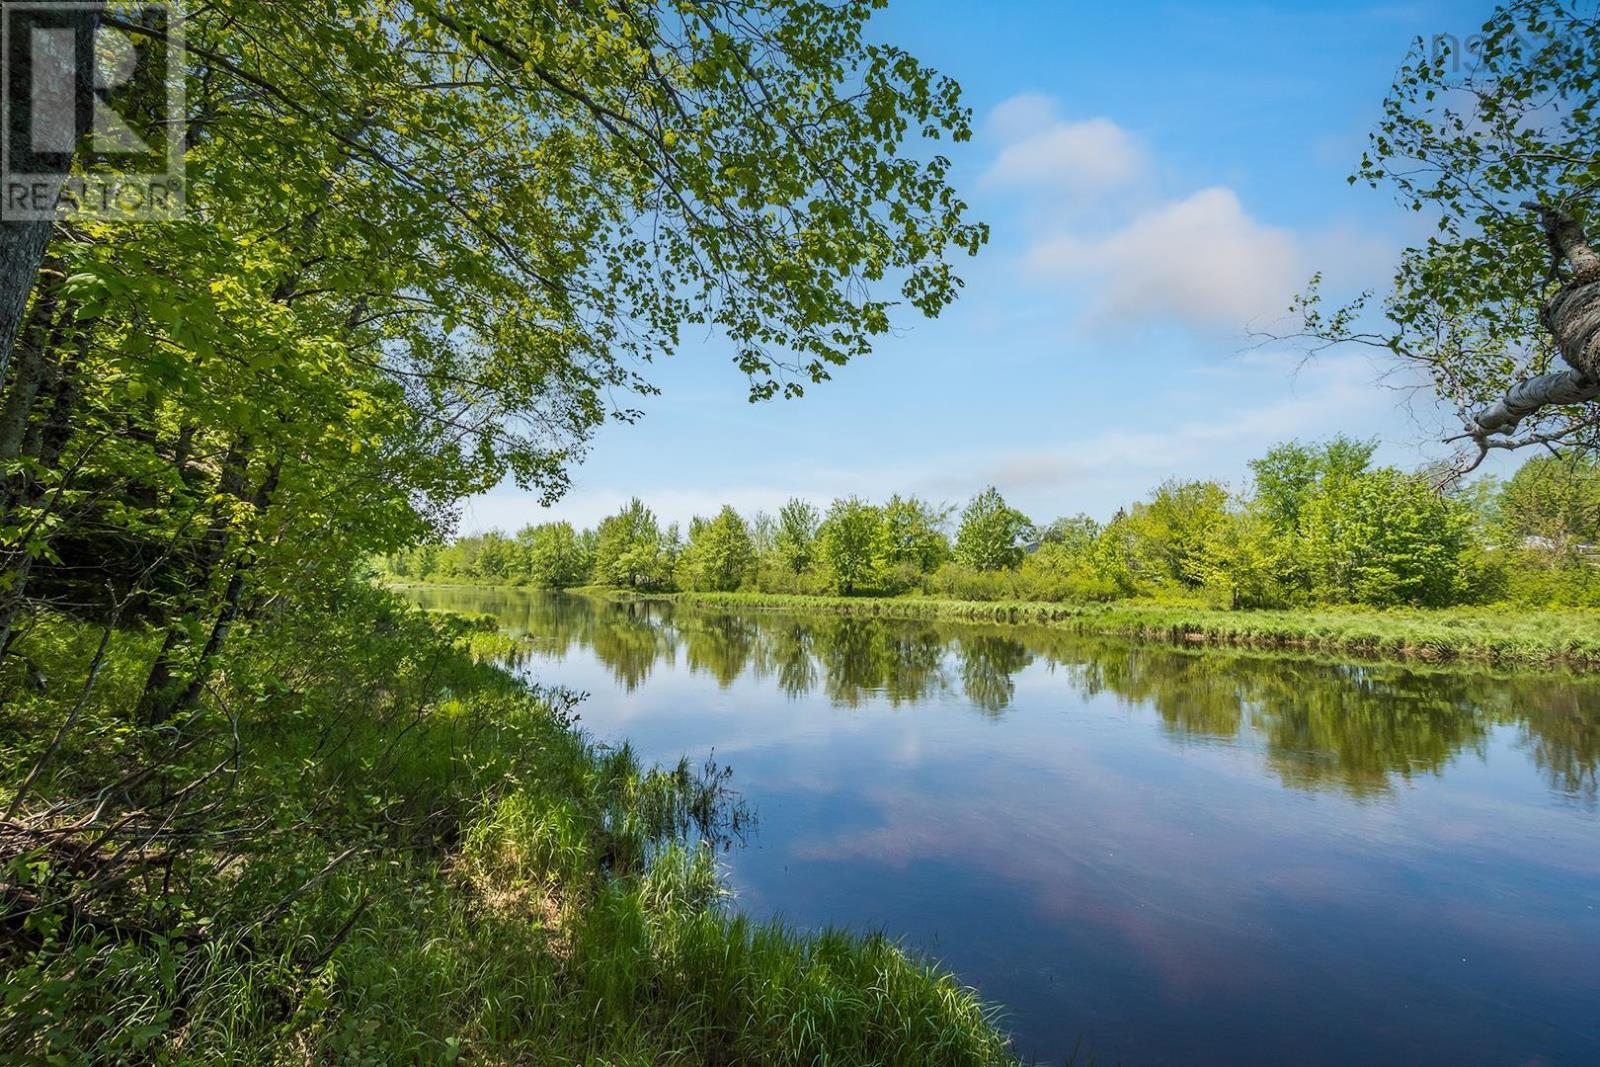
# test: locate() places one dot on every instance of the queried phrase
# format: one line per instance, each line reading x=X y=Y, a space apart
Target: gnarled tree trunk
x=1573 y=318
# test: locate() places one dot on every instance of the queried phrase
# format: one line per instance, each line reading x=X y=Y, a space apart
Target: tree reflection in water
x=1360 y=728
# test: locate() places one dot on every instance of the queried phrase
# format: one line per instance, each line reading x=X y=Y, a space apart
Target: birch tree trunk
x=1573 y=318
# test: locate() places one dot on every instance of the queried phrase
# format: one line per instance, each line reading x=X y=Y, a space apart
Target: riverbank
x=372 y=845
x=1499 y=636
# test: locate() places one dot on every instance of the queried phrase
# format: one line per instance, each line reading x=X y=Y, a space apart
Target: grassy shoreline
x=511 y=889
x=1503 y=636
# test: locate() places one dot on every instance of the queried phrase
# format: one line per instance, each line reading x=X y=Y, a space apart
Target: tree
x=1074 y=535
x=720 y=552
x=630 y=550
x=497 y=557
x=1552 y=504
x=1501 y=144
x=1174 y=528
x=763 y=533
x=850 y=544
x=796 y=536
x=23 y=243
x=914 y=537
x=556 y=557
x=992 y=533
x=1251 y=562
x=1383 y=537
x=429 y=246
x=1289 y=475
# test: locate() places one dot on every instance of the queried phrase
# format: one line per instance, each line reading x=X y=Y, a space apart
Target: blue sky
x=1159 y=179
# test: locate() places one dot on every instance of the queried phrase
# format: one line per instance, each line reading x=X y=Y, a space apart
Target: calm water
x=1156 y=855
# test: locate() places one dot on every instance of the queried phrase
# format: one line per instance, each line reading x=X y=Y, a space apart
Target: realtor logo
x=94 y=110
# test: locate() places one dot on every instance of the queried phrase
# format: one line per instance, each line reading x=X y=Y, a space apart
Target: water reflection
x=1360 y=729
x=1171 y=855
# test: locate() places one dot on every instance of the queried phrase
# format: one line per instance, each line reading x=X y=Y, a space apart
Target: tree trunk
x=159 y=696
x=22 y=246
x=23 y=243
x=158 y=700
x=230 y=604
x=39 y=339
x=1573 y=318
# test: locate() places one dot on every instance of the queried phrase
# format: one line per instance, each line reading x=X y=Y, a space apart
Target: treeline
x=1319 y=524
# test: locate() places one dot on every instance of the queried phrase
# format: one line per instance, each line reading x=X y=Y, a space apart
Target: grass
x=413 y=859
x=1502 y=636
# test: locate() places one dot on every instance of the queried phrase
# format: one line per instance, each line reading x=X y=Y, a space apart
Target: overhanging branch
x=1555 y=389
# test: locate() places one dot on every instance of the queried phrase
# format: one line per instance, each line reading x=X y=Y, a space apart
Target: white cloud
x=1087 y=156
x=1082 y=158
x=1200 y=261
x=1020 y=116
x=1094 y=218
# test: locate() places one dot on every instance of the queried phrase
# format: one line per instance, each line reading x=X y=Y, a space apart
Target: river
x=1145 y=854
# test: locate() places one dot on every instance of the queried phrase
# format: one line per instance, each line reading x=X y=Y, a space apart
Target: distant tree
x=1075 y=534
x=1174 y=528
x=1554 y=501
x=763 y=533
x=1067 y=554
x=850 y=544
x=795 y=539
x=992 y=533
x=914 y=534
x=1115 y=555
x=556 y=556
x=630 y=550
x=1289 y=475
x=720 y=552
x=1250 y=563
x=1383 y=538
x=496 y=557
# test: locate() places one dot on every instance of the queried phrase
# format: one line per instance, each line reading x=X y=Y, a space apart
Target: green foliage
x=914 y=539
x=1554 y=502
x=1545 y=522
x=1384 y=538
x=556 y=556
x=796 y=536
x=1250 y=563
x=850 y=545
x=1320 y=525
x=1288 y=476
x=631 y=551
x=720 y=553
x=991 y=534
x=1171 y=536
